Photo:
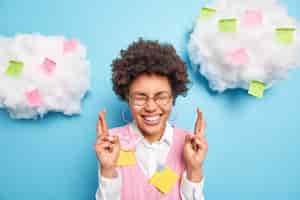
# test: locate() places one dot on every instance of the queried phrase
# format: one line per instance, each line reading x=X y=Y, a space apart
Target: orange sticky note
x=34 y=98
x=48 y=66
x=126 y=158
x=164 y=180
x=70 y=45
x=252 y=18
x=239 y=57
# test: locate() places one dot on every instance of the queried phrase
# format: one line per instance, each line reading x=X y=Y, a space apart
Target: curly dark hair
x=150 y=57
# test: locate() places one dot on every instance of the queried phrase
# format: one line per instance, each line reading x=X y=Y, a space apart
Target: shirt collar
x=167 y=136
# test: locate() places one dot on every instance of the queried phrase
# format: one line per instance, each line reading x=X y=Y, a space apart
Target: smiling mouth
x=152 y=120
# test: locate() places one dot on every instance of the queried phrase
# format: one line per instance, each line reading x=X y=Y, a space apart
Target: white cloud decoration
x=39 y=74
x=235 y=43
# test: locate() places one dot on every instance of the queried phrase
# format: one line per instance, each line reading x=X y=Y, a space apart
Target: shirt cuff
x=110 y=188
x=191 y=190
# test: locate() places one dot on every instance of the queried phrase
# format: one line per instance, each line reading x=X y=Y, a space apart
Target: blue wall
x=254 y=145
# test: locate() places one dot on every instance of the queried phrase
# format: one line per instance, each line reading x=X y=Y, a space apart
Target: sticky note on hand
x=252 y=18
x=48 y=66
x=164 y=180
x=14 y=68
x=206 y=13
x=126 y=158
x=227 y=25
x=34 y=98
x=256 y=88
x=285 y=35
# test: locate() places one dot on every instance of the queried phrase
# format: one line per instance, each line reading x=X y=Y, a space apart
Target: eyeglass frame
x=170 y=96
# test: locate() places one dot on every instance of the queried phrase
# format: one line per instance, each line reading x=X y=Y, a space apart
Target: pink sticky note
x=48 y=66
x=239 y=57
x=252 y=18
x=70 y=45
x=34 y=98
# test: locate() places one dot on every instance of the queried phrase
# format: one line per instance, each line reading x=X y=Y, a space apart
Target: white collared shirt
x=109 y=189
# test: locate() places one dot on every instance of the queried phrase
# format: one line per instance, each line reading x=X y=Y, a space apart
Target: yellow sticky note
x=256 y=88
x=14 y=68
x=227 y=25
x=164 y=180
x=206 y=13
x=126 y=158
x=285 y=35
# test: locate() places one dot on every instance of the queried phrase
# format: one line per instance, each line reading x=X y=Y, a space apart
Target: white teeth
x=152 y=118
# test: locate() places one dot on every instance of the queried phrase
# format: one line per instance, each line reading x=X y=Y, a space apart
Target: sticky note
x=206 y=13
x=126 y=158
x=227 y=25
x=48 y=66
x=70 y=45
x=34 y=98
x=256 y=88
x=252 y=18
x=239 y=57
x=164 y=180
x=285 y=35
x=14 y=68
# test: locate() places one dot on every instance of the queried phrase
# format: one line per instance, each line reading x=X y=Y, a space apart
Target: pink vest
x=135 y=184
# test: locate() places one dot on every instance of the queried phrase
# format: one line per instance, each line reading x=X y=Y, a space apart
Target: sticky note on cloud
x=70 y=45
x=252 y=18
x=206 y=13
x=228 y=25
x=14 y=68
x=48 y=66
x=62 y=90
x=239 y=57
x=256 y=88
x=285 y=35
x=34 y=98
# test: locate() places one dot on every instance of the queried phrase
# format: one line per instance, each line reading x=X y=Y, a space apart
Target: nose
x=150 y=105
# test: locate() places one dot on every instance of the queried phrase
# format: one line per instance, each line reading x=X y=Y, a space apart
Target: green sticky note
x=227 y=25
x=256 y=88
x=206 y=13
x=14 y=68
x=285 y=35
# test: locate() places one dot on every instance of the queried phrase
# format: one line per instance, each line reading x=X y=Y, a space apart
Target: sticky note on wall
x=256 y=88
x=206 y=13
x=14 y=68
x=228 y=25
x=285 y=35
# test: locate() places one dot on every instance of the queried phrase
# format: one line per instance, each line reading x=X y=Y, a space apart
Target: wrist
x=194 y=175
x=108 y=172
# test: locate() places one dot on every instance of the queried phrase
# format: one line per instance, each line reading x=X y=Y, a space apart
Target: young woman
x=149 y=76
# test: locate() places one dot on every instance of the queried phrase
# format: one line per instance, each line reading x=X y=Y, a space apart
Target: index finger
x=200 y=124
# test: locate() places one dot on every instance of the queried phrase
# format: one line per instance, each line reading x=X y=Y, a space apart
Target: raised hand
x=195 y=149
x=107 y=147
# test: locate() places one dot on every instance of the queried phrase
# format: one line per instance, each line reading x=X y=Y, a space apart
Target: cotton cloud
x=39 y=74
x=235 y=42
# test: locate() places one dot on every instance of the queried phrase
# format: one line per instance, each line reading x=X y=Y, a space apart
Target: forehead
x=150 y=84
